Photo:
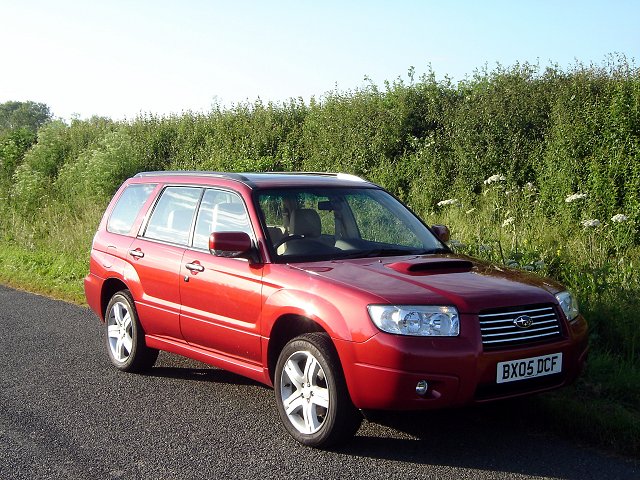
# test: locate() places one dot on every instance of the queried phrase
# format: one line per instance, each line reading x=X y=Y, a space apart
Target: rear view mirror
x=230 y=244
x=442 y=232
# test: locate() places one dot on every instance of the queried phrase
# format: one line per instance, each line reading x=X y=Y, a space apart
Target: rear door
x=156 y=257
x=221 y=301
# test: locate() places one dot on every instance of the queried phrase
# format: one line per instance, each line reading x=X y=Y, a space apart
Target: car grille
x=499 y=330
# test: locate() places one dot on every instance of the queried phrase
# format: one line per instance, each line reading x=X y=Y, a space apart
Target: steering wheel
x=286 y=239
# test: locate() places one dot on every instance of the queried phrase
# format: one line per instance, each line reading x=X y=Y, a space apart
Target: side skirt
x=234 y=365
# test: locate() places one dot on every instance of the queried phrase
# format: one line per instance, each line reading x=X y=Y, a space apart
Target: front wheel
x=125 y=337
x=311 y=393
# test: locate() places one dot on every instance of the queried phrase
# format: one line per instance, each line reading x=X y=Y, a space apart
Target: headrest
x=305 y=221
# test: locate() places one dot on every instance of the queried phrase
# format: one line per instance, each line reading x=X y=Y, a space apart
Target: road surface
x=66 y=413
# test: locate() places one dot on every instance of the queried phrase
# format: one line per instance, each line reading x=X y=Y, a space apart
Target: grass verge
x=604 y=420
x=38 y=271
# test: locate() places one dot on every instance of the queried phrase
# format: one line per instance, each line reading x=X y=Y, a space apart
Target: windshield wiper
x=379 y=252
x=434 y=250
x=389 y=252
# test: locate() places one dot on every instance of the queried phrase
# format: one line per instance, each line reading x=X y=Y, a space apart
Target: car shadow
x=508 y=436
x=502 y=438
x=201 y=375
x=182 y=368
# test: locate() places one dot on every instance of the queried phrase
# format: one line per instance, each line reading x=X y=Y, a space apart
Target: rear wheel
x=311 y=393
x=125 y=337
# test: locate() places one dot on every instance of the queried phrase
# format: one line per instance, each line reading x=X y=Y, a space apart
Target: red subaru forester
x=326 y=287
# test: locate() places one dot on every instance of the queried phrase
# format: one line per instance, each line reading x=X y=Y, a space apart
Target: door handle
x=194 y=267
x=136 y=253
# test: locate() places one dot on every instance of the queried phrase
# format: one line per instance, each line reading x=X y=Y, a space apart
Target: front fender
x=344 y=317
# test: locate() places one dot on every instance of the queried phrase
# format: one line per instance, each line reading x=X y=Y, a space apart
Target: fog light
x=422 y=387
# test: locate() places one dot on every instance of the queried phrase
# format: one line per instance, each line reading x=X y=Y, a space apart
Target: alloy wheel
x=304 y=392
x=120 y=331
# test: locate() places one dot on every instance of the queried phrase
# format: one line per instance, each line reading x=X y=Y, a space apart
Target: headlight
x=569 y=305
x=418 y=320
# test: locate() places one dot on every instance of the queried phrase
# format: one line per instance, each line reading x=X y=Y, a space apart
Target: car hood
x=469 y=284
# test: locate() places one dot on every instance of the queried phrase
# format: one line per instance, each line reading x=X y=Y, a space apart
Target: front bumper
x=382 y=372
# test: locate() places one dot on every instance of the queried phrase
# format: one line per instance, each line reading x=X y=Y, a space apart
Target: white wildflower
x=451 y=201
x=508 y=221
x=590 y=223
x=619 y=218
x=495 y=178
x=575 y=196
x=530 y=187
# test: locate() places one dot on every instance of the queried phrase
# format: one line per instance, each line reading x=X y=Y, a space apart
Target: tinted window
x=128 y=207
x=220 y=211
x=172 y=217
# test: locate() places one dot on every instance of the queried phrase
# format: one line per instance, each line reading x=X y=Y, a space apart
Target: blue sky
x=119 y=58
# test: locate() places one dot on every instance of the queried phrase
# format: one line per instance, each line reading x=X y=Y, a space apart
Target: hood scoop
x=433 y=267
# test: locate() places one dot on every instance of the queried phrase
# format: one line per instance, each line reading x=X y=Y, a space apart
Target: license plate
x=514 y=370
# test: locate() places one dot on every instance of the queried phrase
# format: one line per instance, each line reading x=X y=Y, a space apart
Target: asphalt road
x=66 y=413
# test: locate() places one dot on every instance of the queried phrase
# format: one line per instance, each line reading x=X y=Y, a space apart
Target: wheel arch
x=286 y=328
x=109 y=288
x=289 y=313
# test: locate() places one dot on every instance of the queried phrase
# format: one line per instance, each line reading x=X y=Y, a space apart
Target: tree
x=30 y=115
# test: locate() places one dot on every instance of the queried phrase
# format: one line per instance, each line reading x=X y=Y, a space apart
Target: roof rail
x=176 y=173
x=241 y=177
x=341 y=176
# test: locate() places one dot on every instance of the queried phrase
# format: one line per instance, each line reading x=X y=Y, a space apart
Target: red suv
x=326 y=287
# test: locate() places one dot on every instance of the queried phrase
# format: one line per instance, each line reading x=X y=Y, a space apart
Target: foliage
x=19 y=122
x=29 y=115
x=13 y=146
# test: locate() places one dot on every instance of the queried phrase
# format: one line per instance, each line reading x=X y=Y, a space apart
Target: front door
x=221 y=297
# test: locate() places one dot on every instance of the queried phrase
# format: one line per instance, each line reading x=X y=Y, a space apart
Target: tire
x=311 y=393
x=125 y=338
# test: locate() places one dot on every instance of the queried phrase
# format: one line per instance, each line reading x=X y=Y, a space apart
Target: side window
x=172 y=217
x=128 y=207
x=220 y=211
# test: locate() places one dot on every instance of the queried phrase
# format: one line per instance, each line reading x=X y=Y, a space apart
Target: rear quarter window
x=127 y=208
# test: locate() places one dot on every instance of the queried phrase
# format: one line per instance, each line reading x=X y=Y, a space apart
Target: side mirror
x=230 y=244
x=442 y=232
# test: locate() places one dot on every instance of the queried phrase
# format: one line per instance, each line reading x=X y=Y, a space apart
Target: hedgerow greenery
x=540 y=167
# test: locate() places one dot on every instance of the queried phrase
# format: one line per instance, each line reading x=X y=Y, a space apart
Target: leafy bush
x=98 y=171
x=13 y=146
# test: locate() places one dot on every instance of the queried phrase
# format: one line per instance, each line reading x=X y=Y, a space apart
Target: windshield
x=320 y=224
